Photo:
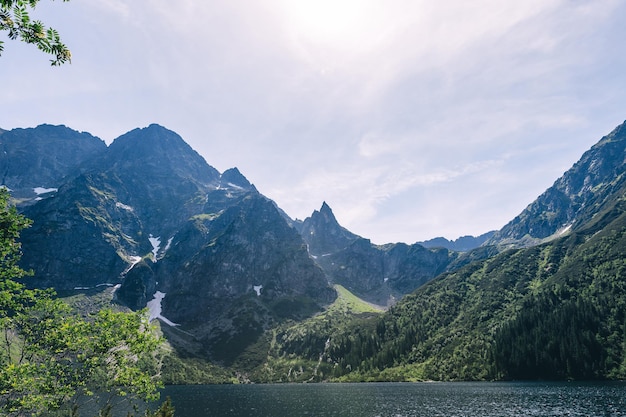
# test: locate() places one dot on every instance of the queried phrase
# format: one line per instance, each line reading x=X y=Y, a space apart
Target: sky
x=412 y=119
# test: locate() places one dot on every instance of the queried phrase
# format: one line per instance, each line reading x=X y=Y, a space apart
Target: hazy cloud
x=412 y=118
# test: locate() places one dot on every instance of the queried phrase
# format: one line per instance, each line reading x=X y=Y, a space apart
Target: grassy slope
x=295 y=351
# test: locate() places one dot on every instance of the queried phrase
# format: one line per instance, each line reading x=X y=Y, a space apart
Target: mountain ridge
x=573 y=198
x=461 y=244
x=240 y=284
x=34 y=161
x=150 y=218
x=379 y=274
x=547 y=308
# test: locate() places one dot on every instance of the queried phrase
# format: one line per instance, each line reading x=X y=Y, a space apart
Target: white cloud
x=412 y=118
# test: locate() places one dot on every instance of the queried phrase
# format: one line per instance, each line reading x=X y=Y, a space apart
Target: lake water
x=400 y=400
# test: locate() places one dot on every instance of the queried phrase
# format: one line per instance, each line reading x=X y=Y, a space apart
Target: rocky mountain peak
x=148 y=141
x=158 y=152
x=323 y=233
x=233 y=177
x=574 y=198
x=34 y=161
x=327 y=213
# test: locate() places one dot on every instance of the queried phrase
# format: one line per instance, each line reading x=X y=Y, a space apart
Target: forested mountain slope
x=553 y=311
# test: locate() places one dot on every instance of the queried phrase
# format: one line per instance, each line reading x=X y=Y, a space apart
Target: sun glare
x=337 y=23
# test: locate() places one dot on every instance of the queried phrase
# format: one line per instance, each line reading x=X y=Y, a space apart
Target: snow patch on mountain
x=123 y=206
x=43 y=190
x=168 y=244
x=257 y=289
x=235 y=186
x=134 y=260
x=564 y=230
x=156 y=245
x=155 y=309
x=106 y=284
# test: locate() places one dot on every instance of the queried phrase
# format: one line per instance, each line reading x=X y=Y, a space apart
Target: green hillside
x=296 y=351
x=554 y=311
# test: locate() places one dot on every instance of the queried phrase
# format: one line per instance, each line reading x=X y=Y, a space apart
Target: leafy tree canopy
x=16 y=20
x=52 y=358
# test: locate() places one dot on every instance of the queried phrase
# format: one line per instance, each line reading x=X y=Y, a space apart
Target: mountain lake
x=479 y=399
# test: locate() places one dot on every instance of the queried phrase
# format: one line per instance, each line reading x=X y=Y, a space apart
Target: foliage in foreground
x=54 y=360
x=16 y=20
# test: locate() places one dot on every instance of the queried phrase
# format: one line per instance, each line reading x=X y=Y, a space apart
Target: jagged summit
x=324 y=234
x=325 y=209
x=326 y=213
x=233 y=177
x=574 y=198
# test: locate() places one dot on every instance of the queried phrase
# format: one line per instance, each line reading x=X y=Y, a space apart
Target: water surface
x=400 y=400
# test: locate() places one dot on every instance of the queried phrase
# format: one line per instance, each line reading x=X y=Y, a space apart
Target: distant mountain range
x=462 y=244
x=148 y=220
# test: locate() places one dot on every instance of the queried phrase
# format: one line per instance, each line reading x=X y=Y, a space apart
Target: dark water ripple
x=401 y=400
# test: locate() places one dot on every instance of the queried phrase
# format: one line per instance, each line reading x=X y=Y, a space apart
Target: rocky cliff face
x=243 y=261
x=573 y=199
x=100 y=223
x=150 y=216
x=34 y=162
x=379 y=274
x=323 y=233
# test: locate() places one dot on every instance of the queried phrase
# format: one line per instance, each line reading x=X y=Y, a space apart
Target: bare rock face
x=244 y=261
x=139 y=286
x=150 y=216
x=34 y=162
x=573 y=199
x=323 y=234
x=377 y=273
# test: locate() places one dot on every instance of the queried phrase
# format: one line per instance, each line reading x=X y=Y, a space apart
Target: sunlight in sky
x=330 y=23
x=410 y=118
